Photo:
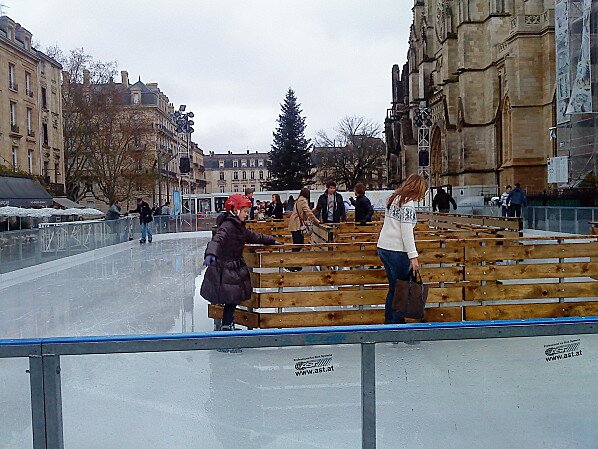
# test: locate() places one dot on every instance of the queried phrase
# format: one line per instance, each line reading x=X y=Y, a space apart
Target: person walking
x=227 y=280
x=165 y=208
x=145 y=219
x=331 y=205
x=275 y=209
x=443 y=200
x=516 y=200
x=301 y=214
x=115 y=212
x=362 y=204
x=290 y=204
x=396 y=244
x=503 y=201
x=249 y=194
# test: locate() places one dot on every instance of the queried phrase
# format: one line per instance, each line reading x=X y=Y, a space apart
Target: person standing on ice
x=396 y=244
x=227 y=280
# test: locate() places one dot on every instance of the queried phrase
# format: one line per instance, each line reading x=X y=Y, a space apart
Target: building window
x=45 y=129
x=235 y=163
x=235 y=175
x=56 y=173
x=324 y=161
x=244 y=163
x=221 y=176
x=13 y=114
x=15 y=161
x=28 y=84
x=261 y=174
x=30 y=161
x=252 y=162
x=236 y=189
x=326 y=175
x=244 y=186
x=12 y=82
x=44 y=98
x=260 y=163
x=253 y=186
x=221 y=189
x=244 y=174
x=252 y=175
x=45 y=169
x=29 y=121
x=221 y=164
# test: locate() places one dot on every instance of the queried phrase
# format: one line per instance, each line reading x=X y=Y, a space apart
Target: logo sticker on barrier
x=313 y=365
x=563 y=350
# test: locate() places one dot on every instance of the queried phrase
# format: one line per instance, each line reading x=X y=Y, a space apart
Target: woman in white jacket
x=396 y=244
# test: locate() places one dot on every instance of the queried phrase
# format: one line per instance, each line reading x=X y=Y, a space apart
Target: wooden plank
x=523 y=311
x=531 y=291
x=242 y=317
x=349 y=277
x=351 y=258
x=522 y=252
x=346 y=297
x=347 y=317
x=531 y=271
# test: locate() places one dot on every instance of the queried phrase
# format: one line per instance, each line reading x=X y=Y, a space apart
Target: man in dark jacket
x=145 y=219
x=249 y=194
x=516 y=200
x=443 y=202
x=331 y=205
x=363 y=206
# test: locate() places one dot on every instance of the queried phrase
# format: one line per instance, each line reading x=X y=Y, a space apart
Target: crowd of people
x=227 y=280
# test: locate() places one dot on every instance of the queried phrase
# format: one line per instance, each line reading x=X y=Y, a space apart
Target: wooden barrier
x=476 y=267
x=469 y=279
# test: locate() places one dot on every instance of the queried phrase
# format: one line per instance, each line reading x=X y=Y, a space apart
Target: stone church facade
x=486 y=68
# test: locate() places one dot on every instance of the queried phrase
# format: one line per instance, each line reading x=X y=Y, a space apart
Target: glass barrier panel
x=15 y=404
x=533 y=392
x=294 y=397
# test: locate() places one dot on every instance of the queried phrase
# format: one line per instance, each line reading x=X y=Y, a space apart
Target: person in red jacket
x=227 y=280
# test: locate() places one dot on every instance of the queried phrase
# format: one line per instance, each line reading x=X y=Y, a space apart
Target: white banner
x=563 y=87
x=581 y=93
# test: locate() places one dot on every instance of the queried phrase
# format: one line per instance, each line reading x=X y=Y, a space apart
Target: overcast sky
x=231 y=61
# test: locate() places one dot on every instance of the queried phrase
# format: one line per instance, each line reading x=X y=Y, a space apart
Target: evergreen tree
x=290 y=159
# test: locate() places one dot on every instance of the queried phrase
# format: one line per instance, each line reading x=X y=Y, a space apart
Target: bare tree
x=119 y=160
x=105 y=137
x=78 y=114
x=356 y=152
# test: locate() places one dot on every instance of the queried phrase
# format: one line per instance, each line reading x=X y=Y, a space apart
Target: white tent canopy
x=10 y=211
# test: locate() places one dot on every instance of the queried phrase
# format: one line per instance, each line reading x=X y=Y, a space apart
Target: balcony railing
x=30 y=133
x=14 y=129
x=13 y=86
x=30 y=93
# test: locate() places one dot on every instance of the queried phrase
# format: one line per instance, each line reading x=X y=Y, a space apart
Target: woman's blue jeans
x=397 y=266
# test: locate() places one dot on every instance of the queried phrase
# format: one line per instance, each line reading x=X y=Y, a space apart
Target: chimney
x=230 y=152
x=247 y=151
x=86 y=77
x=125 y=78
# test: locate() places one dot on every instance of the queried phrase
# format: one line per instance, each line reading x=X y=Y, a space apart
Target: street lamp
x=183 y=125
x=423 y=122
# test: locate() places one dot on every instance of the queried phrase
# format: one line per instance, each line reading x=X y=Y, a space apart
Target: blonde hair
x=414 y=188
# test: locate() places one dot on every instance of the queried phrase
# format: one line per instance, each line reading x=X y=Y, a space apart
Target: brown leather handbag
x=409 y=300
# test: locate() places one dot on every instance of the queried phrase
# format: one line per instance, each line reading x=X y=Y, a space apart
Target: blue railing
x=427 y=385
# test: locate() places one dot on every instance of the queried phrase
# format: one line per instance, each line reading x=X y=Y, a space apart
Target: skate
x=229 y=350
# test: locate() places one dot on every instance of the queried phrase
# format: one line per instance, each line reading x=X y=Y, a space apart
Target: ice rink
x=450 y=394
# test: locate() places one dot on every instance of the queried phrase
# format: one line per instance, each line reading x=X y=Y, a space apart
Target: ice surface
x=135 y=289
